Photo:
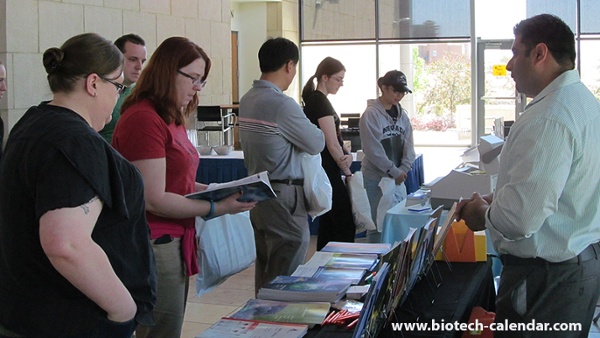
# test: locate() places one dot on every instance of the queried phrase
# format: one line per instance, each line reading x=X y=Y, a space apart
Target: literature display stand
x=402 y=267
x=410 y=262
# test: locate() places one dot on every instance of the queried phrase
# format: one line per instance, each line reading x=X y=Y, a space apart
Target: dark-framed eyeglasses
x=120 y=87
x=196 y=81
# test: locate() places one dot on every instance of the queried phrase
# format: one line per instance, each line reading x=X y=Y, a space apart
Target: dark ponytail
x=328 y=66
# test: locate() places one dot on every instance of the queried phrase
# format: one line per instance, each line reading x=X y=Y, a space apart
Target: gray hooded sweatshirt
x=376 y=125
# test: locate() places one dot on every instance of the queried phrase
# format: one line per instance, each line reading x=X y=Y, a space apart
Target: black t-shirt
x=315 y=107
x=54 y=159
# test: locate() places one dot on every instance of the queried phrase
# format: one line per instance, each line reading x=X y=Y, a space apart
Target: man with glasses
x=274 y=134
x=133 y=48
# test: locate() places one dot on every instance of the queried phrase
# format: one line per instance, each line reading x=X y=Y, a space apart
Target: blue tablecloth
x=219 y=169
x=398 y=220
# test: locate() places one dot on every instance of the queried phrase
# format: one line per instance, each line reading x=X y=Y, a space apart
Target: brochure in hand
x=309 y=313
x=254 y=188
x=304 y=289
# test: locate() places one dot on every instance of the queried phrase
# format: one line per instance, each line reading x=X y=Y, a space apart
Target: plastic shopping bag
x=225 y=247
x=392 y=194
x=361 y=209
x=317 y=188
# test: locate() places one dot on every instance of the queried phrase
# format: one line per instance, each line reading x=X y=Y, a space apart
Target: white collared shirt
x=547 y=198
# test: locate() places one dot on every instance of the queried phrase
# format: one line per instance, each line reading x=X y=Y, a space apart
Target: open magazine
x=254 y=188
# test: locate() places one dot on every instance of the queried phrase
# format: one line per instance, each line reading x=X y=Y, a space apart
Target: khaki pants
x=171 y=294
x=281 y=233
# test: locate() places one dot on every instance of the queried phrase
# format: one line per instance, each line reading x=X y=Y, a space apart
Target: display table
x=221 y=168
x=465 y=286
x=398 y=221
x=225 y=168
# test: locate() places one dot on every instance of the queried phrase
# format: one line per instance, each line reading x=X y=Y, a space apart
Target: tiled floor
x=203 y=311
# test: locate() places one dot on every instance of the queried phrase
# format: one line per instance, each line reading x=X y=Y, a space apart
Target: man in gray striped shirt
x=544 y=217
x=274 y=133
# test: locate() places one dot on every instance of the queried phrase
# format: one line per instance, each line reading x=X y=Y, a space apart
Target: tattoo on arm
x=85 y=207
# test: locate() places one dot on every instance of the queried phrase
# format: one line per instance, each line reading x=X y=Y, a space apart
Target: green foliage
x=449 y=85
x=419 y=80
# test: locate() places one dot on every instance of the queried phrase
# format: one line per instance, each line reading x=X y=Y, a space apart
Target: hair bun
x=52 y=59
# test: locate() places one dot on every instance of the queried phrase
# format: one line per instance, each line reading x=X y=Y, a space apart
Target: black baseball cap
x=396 y=79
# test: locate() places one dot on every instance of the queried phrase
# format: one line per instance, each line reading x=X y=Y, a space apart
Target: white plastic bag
x=225 y=247
x=317 y=188
x=392 y=194
x=361 y=209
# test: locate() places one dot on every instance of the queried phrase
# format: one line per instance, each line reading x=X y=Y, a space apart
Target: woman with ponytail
x=337 y=224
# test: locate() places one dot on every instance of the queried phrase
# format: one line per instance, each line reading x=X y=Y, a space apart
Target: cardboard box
x=463 y=245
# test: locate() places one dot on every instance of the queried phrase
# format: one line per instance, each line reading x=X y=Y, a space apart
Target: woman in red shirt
x=151 y=134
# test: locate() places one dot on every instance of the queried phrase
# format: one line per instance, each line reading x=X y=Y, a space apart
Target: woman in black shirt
x=74 y=247
x=337 y=224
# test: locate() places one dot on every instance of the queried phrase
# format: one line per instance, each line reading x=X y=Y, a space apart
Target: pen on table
x=370 y=277
x=352 y=324
x=328 y=318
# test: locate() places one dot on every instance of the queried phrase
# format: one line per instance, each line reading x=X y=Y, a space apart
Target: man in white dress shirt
x=544 y=217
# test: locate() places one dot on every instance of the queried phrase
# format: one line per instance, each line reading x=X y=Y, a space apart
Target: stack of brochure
x=228 y=327
x=304 y=289
x=287 y=312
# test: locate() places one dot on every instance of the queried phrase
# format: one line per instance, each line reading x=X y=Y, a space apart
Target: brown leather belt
x=290 y=181
x=591 y=252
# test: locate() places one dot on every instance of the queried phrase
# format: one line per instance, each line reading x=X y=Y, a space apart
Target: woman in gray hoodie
x=386 y=136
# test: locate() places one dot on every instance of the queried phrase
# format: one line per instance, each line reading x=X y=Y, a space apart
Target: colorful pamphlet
x=228 y=327
x=255 y=188
x=304 y=289
x=309 y=313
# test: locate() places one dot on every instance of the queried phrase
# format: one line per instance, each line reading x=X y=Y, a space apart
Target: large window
x=329 y=20
x=359 y=61
x=418 y=19
x=431 y=42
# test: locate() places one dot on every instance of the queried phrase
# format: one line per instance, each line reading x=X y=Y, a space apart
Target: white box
x=459 y=183
x=489 y=148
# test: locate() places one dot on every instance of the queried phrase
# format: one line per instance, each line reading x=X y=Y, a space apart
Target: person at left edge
x=151 y=134
x=133 y=48
x=74 y=245
x=3 y=88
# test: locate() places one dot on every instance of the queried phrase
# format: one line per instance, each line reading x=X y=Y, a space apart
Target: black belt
x=591 y=252
x=290 y=181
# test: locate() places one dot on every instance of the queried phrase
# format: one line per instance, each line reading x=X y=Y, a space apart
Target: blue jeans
x=374 y=194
